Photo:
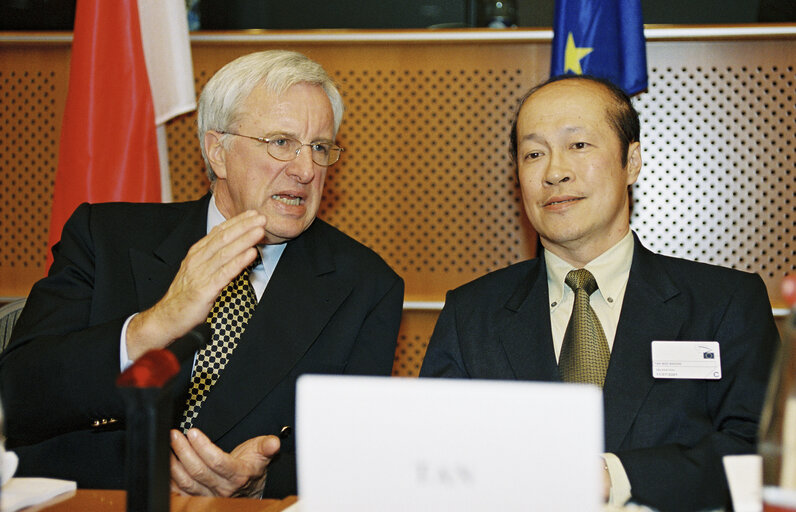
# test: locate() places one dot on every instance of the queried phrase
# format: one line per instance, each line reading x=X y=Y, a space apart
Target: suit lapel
x=154 y=271
x=301 y=297
x=526 y=335
x=647 y=315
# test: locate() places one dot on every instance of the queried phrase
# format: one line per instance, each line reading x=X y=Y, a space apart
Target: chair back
x=8 y=317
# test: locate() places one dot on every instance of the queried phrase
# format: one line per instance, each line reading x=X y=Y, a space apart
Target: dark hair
x=621 y=114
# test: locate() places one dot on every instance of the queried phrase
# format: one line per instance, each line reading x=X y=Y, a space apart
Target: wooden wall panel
x=439 y=200
x=33 y=83
x=426 y=180
x=416 y=329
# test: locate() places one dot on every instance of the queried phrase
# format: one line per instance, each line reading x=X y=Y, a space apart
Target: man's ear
x=216 y=153
x=633 y=162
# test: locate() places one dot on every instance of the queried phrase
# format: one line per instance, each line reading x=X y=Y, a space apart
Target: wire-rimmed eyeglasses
x=286 y=148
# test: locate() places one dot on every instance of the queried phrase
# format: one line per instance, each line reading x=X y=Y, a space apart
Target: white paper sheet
x=19 y=493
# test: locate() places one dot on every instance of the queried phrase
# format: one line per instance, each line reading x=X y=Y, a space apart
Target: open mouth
x=288 y=199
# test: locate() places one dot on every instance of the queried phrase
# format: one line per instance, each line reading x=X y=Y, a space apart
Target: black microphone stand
x=147 y=390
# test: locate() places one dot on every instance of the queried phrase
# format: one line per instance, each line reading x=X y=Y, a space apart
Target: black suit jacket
x=669 y=434
x=331 y=306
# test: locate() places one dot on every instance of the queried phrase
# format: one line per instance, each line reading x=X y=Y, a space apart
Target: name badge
x=686 y=360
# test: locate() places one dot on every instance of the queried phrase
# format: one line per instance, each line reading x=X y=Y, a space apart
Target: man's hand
x=199 y=467
x=606 y=480
x=209 y=266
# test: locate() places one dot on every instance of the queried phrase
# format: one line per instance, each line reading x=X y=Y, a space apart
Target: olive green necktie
x=584 y=353
x=227 y=319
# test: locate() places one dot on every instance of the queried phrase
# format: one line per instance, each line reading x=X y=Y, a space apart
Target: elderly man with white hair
x=284 y=292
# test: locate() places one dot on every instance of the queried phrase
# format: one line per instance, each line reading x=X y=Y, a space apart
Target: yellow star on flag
x=572 y=56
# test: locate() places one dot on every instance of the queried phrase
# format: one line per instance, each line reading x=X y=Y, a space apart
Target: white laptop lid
x=399 y=444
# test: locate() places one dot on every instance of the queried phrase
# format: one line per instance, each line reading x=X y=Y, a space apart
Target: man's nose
x=302 y=168
x=558 y=170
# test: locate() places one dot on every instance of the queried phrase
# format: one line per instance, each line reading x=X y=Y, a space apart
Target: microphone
x=157 y=367
x=184 y=348
x=148 y=407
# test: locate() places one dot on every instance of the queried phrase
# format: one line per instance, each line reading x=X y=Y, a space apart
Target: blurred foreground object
x=778 y=422
x=148 y=390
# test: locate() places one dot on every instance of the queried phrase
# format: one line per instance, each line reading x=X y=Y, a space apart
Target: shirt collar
x=214 y=216
x=610 y=269
x=269 y=253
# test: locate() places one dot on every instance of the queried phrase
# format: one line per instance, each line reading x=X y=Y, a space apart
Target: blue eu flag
x=604 y=38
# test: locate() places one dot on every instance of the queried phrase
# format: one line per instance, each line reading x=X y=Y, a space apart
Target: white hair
x=277 y=70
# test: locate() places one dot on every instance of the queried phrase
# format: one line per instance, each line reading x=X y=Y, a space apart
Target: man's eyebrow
x=535 y=137
x=532 y=137
x=290 y=135
x=280 y=133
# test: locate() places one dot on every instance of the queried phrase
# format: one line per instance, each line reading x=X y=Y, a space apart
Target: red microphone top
x=789 y=289
x=152 y=370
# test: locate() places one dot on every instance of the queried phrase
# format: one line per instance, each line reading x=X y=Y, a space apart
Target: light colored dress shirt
x=270 y=254
x=611 y=270
x=259 y=278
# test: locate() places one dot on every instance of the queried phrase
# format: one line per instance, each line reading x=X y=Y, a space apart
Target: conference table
x=89 y=500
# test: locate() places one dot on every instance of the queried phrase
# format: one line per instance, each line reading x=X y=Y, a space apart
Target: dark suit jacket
x=669 y=434
x=331 y=306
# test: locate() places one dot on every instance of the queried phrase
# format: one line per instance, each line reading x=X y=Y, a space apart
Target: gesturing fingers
x=209 y=266
x=200 y=467
x=191 y=473
x=183 y=483
x=221 y=255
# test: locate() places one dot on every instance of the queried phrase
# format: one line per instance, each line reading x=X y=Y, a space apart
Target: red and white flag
x=130 y=72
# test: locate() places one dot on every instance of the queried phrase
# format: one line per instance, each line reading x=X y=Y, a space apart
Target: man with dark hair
x=284 y=292
x=595 y=302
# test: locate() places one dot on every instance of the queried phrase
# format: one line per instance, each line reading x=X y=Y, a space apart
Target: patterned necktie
x=584 y=353
x=227 y=319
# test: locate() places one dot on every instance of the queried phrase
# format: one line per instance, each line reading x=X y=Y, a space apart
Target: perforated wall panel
x=416 y=329
x=718 y=147
x=425 y=179
x=32 y=92
x=29 y=137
